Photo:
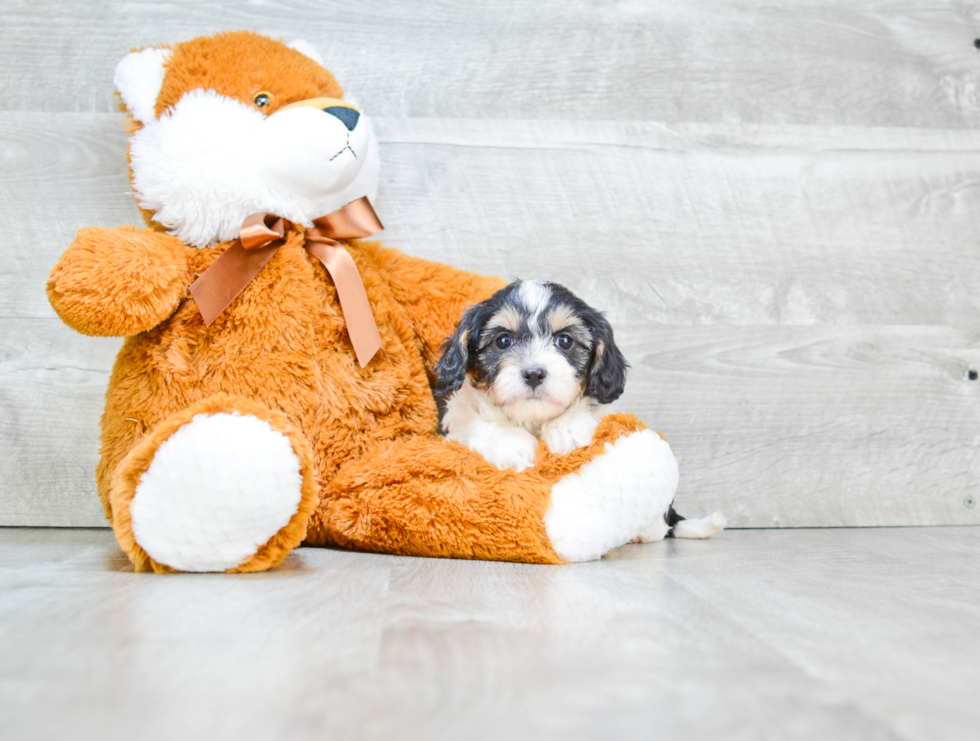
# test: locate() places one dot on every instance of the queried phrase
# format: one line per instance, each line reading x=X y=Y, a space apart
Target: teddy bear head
x=233 y=124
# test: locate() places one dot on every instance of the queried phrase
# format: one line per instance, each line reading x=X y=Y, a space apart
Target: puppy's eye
x=263 y=99
x=564 y=342
x=504 y=341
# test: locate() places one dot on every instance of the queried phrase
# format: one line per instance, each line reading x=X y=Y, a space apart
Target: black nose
x=534 y=376
x=348 y=116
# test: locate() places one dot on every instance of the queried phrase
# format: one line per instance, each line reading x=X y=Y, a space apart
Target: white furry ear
x=305 y=48
x=138 y=78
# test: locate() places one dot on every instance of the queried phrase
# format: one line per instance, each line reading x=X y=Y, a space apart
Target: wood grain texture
x=51 y=397
x=247 y=638
x=776 y=204
x=813 y=62
x=61 y=172
x=864 y=640
x=796 y=426
x=700 y=224
x=793 y=634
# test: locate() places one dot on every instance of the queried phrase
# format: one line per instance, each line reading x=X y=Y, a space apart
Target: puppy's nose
x=348 y=116
x=534 y=376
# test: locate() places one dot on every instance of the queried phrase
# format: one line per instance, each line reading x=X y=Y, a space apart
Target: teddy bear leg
x=438 y=498
x=224 y=485
x=423 y=496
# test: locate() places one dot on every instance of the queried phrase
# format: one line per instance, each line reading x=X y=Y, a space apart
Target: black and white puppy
x=533 y=362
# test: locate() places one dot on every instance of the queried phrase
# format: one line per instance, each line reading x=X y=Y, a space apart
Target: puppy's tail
x=701 y=528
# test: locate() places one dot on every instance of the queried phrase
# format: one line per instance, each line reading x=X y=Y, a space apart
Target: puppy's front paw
x=656 y=532
x=568 y=432
x=508 y=447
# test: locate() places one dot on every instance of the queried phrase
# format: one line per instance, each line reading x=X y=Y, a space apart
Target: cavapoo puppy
x=531 y=362
x=535 y=362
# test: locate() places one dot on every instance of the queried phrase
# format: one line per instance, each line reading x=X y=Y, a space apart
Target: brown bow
x=261 y=237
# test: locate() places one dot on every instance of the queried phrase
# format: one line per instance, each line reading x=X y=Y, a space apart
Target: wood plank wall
x=777 y=203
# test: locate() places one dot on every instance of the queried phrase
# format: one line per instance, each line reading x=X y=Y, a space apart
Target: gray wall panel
x=777 y=205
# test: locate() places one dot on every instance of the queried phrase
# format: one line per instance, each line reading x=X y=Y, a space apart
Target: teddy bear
x=254 y=406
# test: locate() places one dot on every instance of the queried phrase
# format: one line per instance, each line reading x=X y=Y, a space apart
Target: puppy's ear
x=607 y=375
x=452 y=366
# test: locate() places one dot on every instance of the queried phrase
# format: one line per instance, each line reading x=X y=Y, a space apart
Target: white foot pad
x=217 y=490
x=613 y=498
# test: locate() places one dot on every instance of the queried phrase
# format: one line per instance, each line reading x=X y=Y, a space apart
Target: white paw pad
x=506 y=447
x=569 y=432
x=612 y=498
x=217 y=490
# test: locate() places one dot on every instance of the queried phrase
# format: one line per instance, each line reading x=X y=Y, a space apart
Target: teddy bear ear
x=305 y=48
x=138 y=78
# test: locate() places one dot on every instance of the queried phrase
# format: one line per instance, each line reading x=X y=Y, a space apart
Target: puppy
x=535 y=362
x=531 y=362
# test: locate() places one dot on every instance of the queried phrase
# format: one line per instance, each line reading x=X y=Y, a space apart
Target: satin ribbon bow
x=262 y=235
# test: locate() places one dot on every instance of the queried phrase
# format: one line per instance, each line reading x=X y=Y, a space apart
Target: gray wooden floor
x=758 y=634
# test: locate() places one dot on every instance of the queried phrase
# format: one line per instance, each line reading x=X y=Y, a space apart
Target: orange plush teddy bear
x=275 y=384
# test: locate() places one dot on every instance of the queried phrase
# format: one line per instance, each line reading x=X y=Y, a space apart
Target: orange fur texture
x=375 y=474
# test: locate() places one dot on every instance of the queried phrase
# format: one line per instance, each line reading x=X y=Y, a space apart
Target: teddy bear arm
x=118 y=282
x=433 y=295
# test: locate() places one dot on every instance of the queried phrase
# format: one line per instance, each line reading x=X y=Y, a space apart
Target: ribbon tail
x=361 y=326
x=227 y=277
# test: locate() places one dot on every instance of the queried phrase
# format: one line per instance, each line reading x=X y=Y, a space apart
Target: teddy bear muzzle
x=340 y=109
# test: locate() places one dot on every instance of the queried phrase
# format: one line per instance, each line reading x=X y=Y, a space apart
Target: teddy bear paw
x=613 y=498
x=217 y=490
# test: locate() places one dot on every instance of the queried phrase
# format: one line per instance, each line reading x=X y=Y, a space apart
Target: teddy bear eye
x=263 y=99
